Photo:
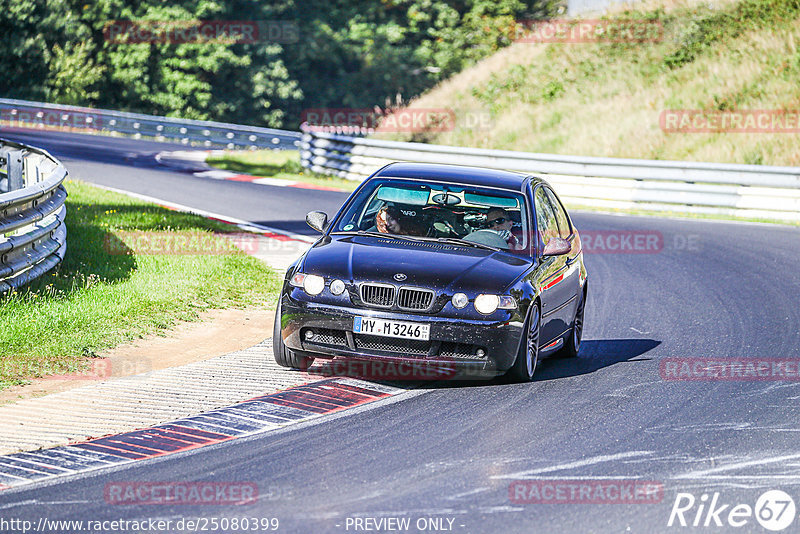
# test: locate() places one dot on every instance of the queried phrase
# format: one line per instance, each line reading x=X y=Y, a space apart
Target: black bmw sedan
x=476 y=270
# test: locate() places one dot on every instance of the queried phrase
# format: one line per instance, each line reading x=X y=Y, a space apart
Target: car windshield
x=429 y=210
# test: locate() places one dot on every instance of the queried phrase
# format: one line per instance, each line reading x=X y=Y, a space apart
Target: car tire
x=283 y=356
x=528 y=354
x=573 y=341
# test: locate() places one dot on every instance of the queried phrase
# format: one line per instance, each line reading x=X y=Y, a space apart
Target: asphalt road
x=715 y=290
x=130 y=165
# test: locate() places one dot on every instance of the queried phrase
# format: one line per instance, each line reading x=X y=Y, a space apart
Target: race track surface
x=450 y=451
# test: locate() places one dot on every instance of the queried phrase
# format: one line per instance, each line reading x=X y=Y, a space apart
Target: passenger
x=390 y=220
x=387 y=220
x=499 y=221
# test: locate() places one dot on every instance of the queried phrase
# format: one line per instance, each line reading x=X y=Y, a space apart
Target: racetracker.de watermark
x=181 y=493
x=226 y=32
x=409 y=120
x=622 y=241
x=49 y=118
x=733 y=121
x=585 y=491
x=185 y=243
x=730 y=369
x=401 y=370
x=636 y=242
x=588 y=31
x=96 y=369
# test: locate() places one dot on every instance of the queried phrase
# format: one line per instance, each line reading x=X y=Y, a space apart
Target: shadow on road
x=595 y=354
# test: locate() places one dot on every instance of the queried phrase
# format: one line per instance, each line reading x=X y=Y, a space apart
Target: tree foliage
x=348 y=53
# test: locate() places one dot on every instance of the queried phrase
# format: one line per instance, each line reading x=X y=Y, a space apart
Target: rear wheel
x=573 y=342
x=283 y=356
x=528 y=354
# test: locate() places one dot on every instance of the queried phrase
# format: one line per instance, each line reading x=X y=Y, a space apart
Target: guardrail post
x=14 y=169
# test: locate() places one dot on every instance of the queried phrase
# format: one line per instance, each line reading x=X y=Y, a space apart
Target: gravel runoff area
x=143 y=400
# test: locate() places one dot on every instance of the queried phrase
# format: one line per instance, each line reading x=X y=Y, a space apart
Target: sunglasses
x=499 y=220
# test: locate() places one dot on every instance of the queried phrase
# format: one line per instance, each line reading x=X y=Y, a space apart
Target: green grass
x=281 y=164
x=101 y=296
x=605 y=99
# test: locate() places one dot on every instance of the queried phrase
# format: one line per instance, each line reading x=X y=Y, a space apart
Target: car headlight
x=311 y=283
x=337 y=287
x=487 y=304
x=460 y=300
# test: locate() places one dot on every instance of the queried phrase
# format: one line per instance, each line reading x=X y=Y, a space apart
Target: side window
x=545 y=217
x=561 y=216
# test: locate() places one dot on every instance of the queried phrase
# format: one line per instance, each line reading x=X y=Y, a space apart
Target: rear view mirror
x=557 y=246
x=318 y=220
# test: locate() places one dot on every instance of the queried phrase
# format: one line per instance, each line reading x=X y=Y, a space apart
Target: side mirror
x=557 y=246
x=318 y=220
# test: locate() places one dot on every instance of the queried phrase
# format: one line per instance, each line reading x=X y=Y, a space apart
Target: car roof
x=455 y=174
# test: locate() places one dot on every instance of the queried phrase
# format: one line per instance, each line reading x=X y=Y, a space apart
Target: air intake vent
x=419 y=244
x=411 y=298
x=381 y=295
x=401 y=347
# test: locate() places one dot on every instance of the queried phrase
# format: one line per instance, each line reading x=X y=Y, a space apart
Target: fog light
x=480 y=353
x=460 y=300
x=337 y=287
x=309 y=334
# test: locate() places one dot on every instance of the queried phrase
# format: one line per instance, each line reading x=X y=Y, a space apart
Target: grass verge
x=606 y=98
x=103 y=295
x=283 y=164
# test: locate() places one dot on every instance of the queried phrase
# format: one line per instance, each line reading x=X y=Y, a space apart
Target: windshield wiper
x=463 y=243
x=378 y=234
x=448 y=240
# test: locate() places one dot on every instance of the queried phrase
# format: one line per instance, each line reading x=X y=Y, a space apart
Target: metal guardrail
x=673 y=186
x=33 y=237
x=208 y=134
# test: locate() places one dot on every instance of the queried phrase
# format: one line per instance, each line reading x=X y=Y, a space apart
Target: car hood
x=425 y=264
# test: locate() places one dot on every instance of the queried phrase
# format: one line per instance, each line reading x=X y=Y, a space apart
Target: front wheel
x=283 y=356
x=528 y=354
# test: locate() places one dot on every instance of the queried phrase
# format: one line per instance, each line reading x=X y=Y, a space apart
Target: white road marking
x=467 y=493
x=571 y=465
x=738 y=465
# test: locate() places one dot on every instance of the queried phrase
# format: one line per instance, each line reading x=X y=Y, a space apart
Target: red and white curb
x=260 y=414
x=216 y=174
x=194 y=161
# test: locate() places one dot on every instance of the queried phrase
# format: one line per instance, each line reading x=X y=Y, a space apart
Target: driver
x=498 y=220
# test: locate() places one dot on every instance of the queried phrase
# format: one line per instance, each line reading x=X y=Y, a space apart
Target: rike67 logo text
x=774 y=510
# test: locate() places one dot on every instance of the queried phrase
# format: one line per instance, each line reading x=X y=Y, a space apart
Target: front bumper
x=453 y=342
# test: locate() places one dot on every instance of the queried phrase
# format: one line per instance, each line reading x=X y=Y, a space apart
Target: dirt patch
x=217 y=332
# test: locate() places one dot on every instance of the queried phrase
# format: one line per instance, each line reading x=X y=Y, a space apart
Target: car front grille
x=388 y=296
x=381 y=295
x=410 y=347
x=409 y=298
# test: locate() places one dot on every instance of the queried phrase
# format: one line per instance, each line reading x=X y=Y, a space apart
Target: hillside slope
x=606 y=99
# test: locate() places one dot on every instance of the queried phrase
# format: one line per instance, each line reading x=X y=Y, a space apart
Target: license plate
x=383 y=327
